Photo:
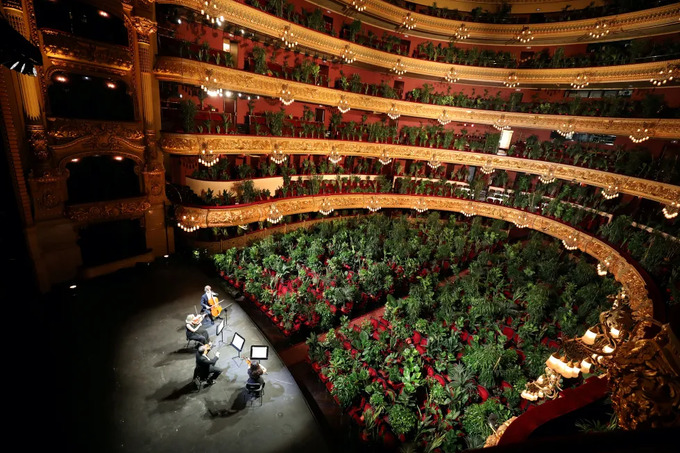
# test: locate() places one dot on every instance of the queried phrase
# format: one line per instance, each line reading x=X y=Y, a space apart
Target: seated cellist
x=208 y=300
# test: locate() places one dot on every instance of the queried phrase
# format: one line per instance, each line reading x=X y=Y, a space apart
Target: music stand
x=238 y=342
x=219 y=331
x=259 y=352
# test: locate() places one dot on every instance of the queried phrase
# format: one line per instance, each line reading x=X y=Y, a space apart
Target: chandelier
x=244 y=227
x=664 y=76
x=640 y=135
x=288 y=37
x=373 y=205
x=210 y=86
x=511 y=81
x=610 y=192
x=393 y=112
x=581 y=81
x=522 y=220
x=326 y=207
x=502 y=123
x=348 y=55
x=570 y=242
x=343 y=104
x=451 y=76
x=208 y=8
x=359 y=5
x=434 y=163
x=603 y=267
x=399 y=68
x=524 y=36
x=546 y=386
x=207 y=157
x=274 y=215
x=188 y=225
x=409 y=22
x=566 y=129
x=469 y=210
x=420 y=205
x=334 y=156
x=384 y=157
x=462 y=33
x=670 y=211
x=487 y=168
x=547 y=177
x=444 y=118
x=278 y=156
x=599 y=30
x=286 y=96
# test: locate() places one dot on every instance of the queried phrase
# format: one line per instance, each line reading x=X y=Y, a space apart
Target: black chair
x=254 y=391
x=200 y=378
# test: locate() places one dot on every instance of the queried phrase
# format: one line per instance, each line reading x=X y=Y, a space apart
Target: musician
x=205 y=365
x=205 y=303
x=255 y=373
x=194 y=330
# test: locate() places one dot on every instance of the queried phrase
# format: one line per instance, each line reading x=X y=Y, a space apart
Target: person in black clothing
x=205 y=365
x=194 y=331
x=255 y=373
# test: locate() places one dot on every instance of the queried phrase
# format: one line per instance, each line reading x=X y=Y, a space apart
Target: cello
x=215 y=308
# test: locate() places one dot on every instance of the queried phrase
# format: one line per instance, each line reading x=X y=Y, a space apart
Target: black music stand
x=238 y=342
x=259 y=352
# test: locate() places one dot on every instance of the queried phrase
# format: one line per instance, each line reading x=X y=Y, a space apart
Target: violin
x=249 y=363
x=215 y=308
x=198 y=319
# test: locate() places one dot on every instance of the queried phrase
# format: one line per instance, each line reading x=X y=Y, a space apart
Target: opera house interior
x=343 y=225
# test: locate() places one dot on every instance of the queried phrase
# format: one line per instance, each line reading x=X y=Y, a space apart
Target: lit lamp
x=278 y=156
x=664 y=76
x=373 y=205
x=504 y=142
x=603 y=267
x=501 y=123
x=522 y=220
x=511 y=81
x=640 y=135
x=462 y=33
x=610 y=192
x=451 y=76
x=434 y=163
x=399 y=67
x=326 y=207
x=384 y=157
x=524 y=36
x=348 y=55
x=288 y=37
x=548 y=177
x=188 y=224
x=581 y=81
x=444 y=118
x=286 y=96
x=487 y=168
x=570 y=242
x=408 y=22
x=420 y=205
x=210 y=86
x=274 y=215
x=343 y=104
x=393 y=112
x=469 y=209
x=359 y=5
x=207 y=157
x=334 y=156
x=566 y=129
x=670 y=211
x=599 y=30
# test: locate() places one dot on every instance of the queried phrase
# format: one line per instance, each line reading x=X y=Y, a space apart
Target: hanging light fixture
x=278 y=156
x=434 y=163
x=343 y=104
x=640 y=135
x=408 y=22
x=502 y=123
x=524 y=36
x=210 y=85
x=670 y=211
x=288 y=38
x=244 y=227
x=393 y=112
x=326 y=207
x=548 y=177
x=286 y=96
x=566 y=129
x=451 y=76
x=462 y=33
x=610 y=192
x=570 y=242
x=581 y=81
x=399 y=67
x=207 y=157
x=444 y=118
x=359 y=5
x=384 y=157
x=546 y=386
x=603 y=267
x=373 y=205
x=487 y=168
x=469 y=209
x=209 y=11
x=600 y=29
x=511 y=81
x=188 y=224
x=274 y=215
x=521 y=220
x=664 y=76
x=420 y=205
x=348 y=55
x=334 y=156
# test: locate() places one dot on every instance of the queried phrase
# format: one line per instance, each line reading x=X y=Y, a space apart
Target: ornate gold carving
x=177 y=70
x=91 y=137
x=143 y=26
x=644 y=376
x=623 y=271
x=270 y=25
x=187 y=144
x=493 y=439
x=108 y=210
x=60 y=45
x=48 y=192
x=37 y=139
x=154 y=183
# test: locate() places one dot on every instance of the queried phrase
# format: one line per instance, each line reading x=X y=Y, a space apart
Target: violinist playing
x=194 y=330
x=255 y=372
x=210 y=305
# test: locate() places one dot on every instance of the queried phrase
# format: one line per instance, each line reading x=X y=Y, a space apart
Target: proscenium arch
x=191 y=144
x=625 y=272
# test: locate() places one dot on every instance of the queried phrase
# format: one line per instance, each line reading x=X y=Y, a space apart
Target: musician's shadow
x=170 y=397
x=222 y=409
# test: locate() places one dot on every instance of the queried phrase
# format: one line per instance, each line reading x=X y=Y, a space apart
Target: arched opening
x=102 y=243
x=101 y=178
x=93 y=98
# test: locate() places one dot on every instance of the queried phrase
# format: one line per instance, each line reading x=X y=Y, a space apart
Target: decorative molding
x=623 y=271
x=270 y=25
x=143 y=26
x=37 y=140
x=48 y=194
x=71 y=138
x=63 y=46
x=191 y=144
x=192 y=72
x=104 y=211
x=646 y=22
